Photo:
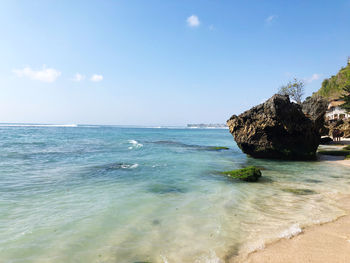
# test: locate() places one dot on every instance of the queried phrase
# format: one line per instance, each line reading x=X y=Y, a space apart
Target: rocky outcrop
x=342 y=125
x=277 y=129
x=315 y=108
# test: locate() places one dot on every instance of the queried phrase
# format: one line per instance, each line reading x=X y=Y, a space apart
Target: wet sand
x=343 y=162
x=329 y=242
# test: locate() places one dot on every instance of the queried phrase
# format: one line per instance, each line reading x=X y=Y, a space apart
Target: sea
x=79 y=193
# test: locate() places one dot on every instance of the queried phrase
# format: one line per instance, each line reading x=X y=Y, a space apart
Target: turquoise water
x=109 y=194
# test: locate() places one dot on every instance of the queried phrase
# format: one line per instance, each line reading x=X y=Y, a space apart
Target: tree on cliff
x=294 y=89
x=346 y=98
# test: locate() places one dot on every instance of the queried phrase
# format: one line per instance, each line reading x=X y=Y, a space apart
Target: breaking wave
x=134 y=144
x=291 y=232
x=38 y=125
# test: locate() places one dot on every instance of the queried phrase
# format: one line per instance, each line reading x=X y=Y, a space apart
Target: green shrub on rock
x=248 y=174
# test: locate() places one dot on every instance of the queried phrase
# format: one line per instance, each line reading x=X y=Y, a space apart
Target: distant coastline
x=208 y=126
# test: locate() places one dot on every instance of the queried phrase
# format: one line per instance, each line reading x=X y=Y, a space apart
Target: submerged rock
x=217 y=148
x=299 y=191
x=248 y=174
x=276 y=129
x=166 y=189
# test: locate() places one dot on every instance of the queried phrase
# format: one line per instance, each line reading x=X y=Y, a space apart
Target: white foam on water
x=211 y=258
x=164 y=259
x=38 y=125
x=135 y=144
x=291 y=231
x=129 y=166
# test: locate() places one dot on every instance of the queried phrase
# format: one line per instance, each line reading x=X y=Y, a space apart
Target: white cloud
x=270 y=19
x=45 y=74
x=193 y=21
x=314 y=76
x=78 y=77
x=96 y=78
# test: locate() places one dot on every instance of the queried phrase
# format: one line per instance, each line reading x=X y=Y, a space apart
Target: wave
x=134 y=144
x=191 y=146
x=292 y=231
x=129 y=166
x=38 y=125
x=117 y=166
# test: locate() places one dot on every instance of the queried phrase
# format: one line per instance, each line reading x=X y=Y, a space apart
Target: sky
x=161 y=62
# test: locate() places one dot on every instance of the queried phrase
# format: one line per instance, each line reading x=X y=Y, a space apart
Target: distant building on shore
x=335 y=112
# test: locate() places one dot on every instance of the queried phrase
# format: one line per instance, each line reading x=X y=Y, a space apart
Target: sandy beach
x=329 y=242
x=343 y=162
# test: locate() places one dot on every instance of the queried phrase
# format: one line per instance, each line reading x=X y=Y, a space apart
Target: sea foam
x=38 y=125
x=134 y=144
x=291 y=231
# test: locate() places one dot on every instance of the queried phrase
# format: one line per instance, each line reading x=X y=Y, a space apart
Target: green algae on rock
x=335 y=152
x=347 y=148
x=248 y=174
x=217 y=148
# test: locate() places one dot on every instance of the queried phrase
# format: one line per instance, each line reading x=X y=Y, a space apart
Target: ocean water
x=111 y=194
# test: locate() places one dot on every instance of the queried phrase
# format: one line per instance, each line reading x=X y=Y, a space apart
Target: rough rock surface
x=315 y=108
x=276 y=129
x=342 y=125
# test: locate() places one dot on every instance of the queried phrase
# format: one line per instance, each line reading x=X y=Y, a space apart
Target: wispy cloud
x=45 y=74
x=78 y=77
x=96 y=78
x=193 y=21
x=270 y=19
x=314 y=77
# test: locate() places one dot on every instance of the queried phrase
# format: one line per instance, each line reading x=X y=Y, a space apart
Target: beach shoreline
x=322 y=243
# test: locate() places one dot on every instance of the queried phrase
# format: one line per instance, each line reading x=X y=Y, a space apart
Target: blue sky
x=161 y=62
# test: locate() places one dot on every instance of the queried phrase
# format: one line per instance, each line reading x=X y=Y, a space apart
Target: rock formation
x=342 y=125
x=315 y=108
x=278 y=129
x=248 y=174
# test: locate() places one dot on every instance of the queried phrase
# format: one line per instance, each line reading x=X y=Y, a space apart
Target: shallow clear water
x=109 y=194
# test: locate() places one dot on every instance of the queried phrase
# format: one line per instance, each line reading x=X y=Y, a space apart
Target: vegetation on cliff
x=346 y=98
x=333 y=87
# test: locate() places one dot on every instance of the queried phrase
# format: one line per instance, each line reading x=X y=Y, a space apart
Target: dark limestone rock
x=276 y=129
x=315 y=108
x=248 y=174
x=326 y=140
